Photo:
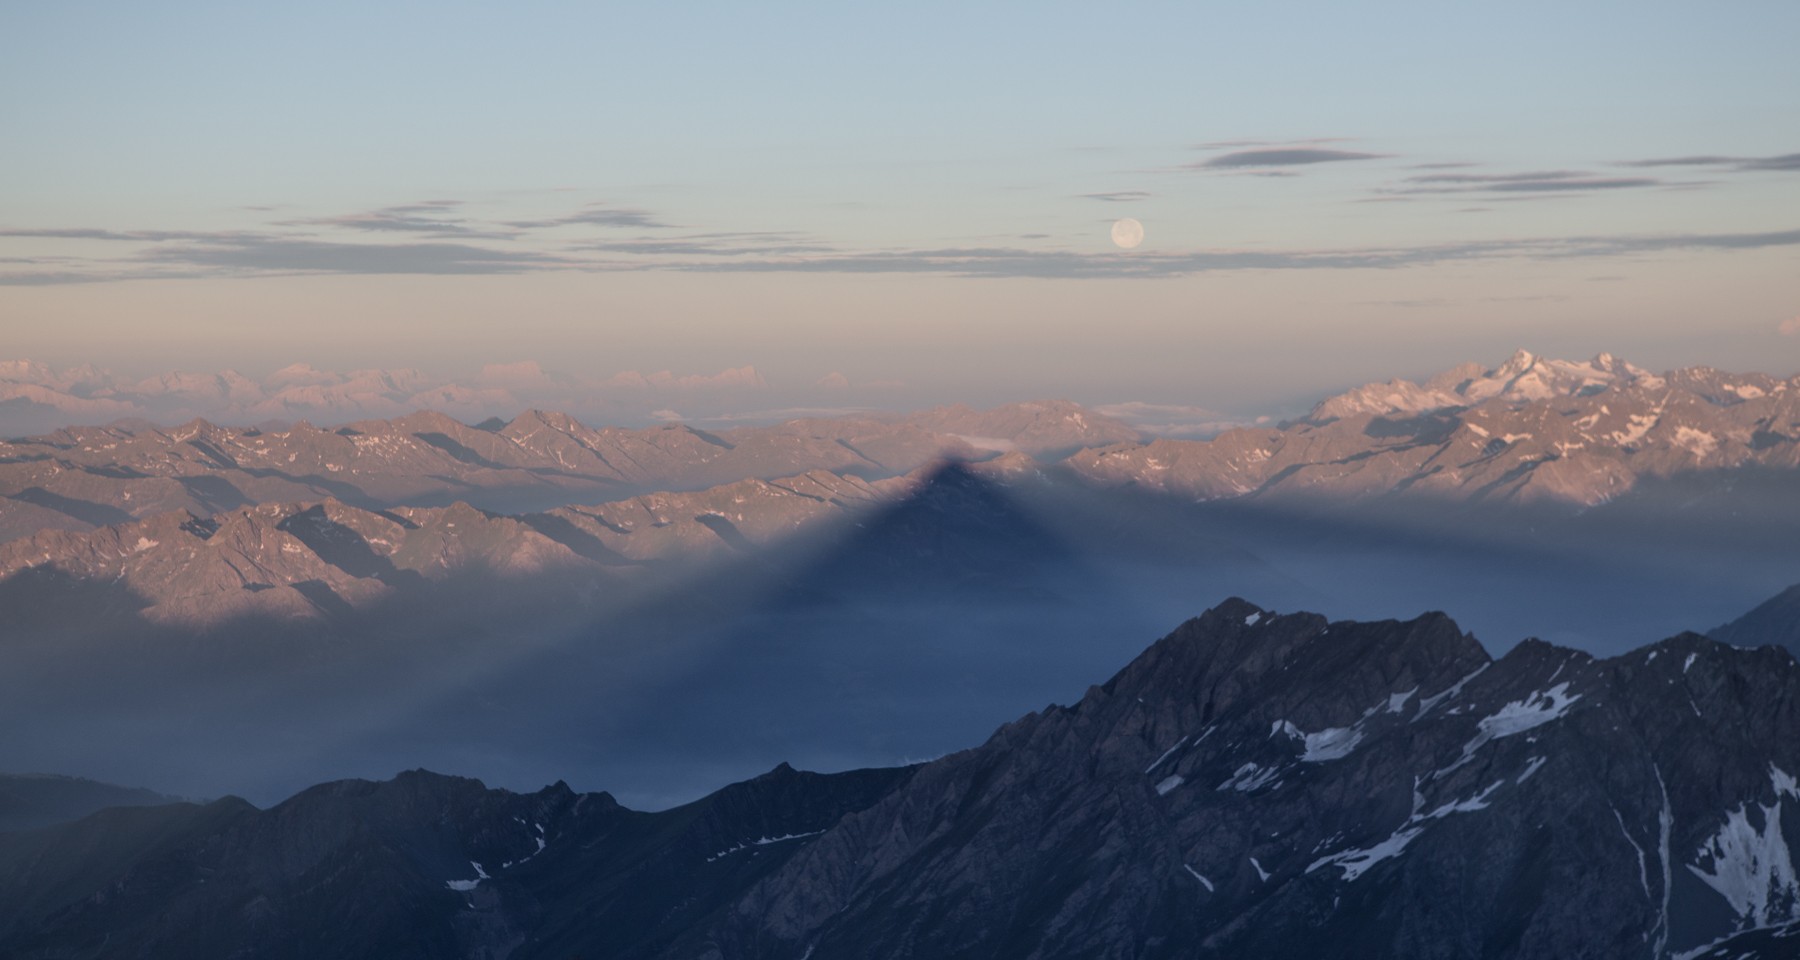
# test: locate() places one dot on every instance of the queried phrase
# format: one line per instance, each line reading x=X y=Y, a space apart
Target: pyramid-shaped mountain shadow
x=903 y=632
x=909 y=631
x=958 y=534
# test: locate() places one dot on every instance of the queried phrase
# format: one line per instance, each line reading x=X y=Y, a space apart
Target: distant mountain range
x=1528 y=431
x=36 y=396
x=206 y=522
x=83 y=477
x=1253 y=785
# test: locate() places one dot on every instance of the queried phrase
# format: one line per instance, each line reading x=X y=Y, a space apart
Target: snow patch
x=1427 y=703
x=1331 y=744
x=1355 y=863
x=1534 y=711
x=1472 y=804
x=762 y=842
x=1248 y=777
x=1643 y=868
x=1530 y=768
x=1169 y=783
x=1250 y=621
x=1750 y=866
x=1196 y=875
x=464 y=886
x=1689 y=662
x=1166 y=753
x=1260 y=872
x=1397 y=702
x=1697 y=442
x=1785 y=785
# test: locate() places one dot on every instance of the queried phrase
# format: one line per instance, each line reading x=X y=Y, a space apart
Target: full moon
x=1127 y=233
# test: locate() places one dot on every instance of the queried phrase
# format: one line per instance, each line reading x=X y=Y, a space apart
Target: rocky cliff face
x=1253 y=785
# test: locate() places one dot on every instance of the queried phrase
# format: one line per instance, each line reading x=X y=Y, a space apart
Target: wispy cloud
x=1783 y=162
x=125 y=236
x=198 y=254
x=1536 y=182
x=426 y=217
x=1247 y=143
x=596 y=215
x=296 y=255
x=1280 y=157
x=1012 y=262
x=1119 y=196
x=728 y=244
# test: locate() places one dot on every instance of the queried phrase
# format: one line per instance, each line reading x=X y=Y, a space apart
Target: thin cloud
x=1537 y=182
x=1791 y=326
x=126 y=236
x=1119 y=196
x=423 y=218
x=293 y=255
x=1017 y=263
x=1782 y=162
x=711 y=245
x=596 y=215
x=1245 y=144
x=249 y=255
x=1281 y=157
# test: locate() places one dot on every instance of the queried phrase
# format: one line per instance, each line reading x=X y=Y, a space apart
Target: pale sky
x=1330 y=192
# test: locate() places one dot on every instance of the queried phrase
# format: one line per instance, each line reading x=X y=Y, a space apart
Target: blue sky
x=1331 y=192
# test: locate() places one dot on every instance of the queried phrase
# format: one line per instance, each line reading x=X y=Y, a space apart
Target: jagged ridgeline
x=1253 y=785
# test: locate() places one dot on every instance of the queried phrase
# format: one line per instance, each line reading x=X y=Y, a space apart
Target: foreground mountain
x=1253 y=785
x=1529 y=431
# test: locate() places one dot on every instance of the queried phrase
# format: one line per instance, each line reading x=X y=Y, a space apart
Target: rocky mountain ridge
x=1530 y=431
x=1253 y=785
x=83 y=477
x=313 y=559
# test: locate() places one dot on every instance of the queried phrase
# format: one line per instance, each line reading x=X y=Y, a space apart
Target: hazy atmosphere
x=918 y=199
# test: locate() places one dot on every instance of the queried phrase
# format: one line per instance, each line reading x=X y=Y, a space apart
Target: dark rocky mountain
x=28 y=801
x=1253 y=785
x=1774 y=623
x=422 y=866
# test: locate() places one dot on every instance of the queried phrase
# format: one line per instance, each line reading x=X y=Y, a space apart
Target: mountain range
x=35 y=395
x=1254 y=784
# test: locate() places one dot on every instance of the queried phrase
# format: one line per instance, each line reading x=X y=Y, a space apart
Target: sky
x=917 y=195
